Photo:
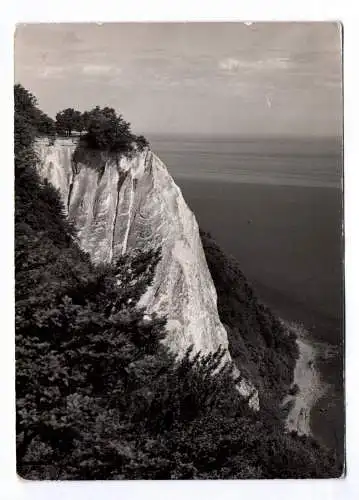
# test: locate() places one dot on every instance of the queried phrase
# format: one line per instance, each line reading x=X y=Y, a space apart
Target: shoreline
x=308 y=379
x=328 y=413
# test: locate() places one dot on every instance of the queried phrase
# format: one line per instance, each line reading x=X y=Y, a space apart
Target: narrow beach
x=310 y=386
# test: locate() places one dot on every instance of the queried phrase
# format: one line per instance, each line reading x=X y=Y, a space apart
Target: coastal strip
x=307 y=382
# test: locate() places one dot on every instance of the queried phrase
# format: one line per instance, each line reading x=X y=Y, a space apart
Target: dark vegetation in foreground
x=97 y=394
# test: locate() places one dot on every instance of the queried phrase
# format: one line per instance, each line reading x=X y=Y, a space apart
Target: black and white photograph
x=179 y=250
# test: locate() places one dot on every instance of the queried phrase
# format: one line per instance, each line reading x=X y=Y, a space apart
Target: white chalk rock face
x=55 y=164
x=135 y=204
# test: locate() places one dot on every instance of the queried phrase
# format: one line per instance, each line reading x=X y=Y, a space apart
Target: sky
x=190 y=78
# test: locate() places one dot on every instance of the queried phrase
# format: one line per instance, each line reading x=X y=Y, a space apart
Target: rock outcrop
x=126 y=204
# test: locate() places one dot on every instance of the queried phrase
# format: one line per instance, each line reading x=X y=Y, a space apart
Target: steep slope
x=118 y=205
x=259 y=342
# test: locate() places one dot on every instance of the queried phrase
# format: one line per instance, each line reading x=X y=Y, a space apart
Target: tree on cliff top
x=68 y=120
x=109 y=131
x=104 y=128
x=142 y=142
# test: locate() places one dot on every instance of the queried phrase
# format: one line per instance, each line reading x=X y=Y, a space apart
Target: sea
x=276 y=205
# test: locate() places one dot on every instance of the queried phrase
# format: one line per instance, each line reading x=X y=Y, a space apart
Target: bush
x=293 y=390
x=108 y=131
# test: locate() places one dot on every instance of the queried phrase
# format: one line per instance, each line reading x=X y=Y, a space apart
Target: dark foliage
x=105 y=130
x=142 y=142
x=46 y=126
x=108 y=131
x=29 y=119
x=68 y=120
x=98 y=395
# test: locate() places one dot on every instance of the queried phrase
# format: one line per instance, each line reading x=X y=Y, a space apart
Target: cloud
x=233 y=65
x=230 y=64
x=88 y=70
x=99 y=69
x=52 y=72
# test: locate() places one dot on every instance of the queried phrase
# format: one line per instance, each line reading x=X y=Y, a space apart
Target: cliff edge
x=122 y=204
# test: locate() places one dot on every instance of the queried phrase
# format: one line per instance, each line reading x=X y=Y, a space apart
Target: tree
x=30 y=121
x=108 y=131
x=142 y=142
x=24 y=117
x=46 y=125
x=85 y=120
x=68 y=120
x=25 y=103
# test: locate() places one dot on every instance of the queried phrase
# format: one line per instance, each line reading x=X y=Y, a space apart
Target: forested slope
x=258 y=341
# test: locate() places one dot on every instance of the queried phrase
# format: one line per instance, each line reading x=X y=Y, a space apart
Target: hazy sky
x=220 y=78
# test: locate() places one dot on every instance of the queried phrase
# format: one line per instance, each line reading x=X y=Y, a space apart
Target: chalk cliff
x=126 y=204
